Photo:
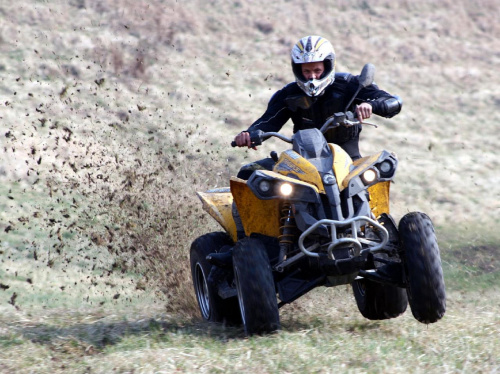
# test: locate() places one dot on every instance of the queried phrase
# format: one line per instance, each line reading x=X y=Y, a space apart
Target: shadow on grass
x=96 y=336
x=91 y=338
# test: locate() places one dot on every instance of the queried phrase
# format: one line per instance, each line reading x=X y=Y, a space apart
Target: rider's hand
x=363 y=111
x=243 y=140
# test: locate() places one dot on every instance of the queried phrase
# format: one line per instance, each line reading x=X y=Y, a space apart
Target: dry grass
x=322 y=333
x=112 y=114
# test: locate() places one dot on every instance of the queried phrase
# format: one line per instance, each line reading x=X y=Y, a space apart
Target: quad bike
x=316 y=219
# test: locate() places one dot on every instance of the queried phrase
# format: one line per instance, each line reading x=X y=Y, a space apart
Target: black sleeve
x=383 y=103
x=275 y=116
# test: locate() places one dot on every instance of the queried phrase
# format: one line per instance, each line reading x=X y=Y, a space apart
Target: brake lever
x=348 y=123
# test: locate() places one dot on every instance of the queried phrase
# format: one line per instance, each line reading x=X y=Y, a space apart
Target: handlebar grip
x=233 y=144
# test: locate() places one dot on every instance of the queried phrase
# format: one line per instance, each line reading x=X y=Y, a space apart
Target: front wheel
x=422 y=265
x=212 y=307
x=255 y=287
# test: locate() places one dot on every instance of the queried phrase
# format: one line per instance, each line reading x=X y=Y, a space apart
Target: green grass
x=470 y=257
x=467 y=278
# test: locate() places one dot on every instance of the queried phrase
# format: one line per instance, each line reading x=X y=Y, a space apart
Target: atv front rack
x=370 y=245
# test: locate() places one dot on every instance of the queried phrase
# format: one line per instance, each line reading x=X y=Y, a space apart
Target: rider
x=317 y=93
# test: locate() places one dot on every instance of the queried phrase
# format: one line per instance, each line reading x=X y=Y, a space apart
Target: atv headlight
x=264 y=186
x=286 y=189
x=369 y=176
x=386 y=169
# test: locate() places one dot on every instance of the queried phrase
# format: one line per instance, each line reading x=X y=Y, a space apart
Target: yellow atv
x=316 y=219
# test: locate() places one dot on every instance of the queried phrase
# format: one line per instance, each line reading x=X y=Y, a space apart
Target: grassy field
x=112 y=115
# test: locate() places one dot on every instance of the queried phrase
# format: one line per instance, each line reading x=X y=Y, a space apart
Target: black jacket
x=305 y=112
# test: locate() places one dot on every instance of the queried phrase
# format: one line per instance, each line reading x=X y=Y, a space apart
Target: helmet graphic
x=313 y=49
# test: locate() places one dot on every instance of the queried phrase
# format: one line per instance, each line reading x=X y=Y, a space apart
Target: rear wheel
x=422 y=265
x=378 y=301
x=212 y=307
x=255 y=286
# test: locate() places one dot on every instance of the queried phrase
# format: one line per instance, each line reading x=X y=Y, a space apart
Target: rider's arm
x=275 y=116
x=383 y=103
x=389 y=106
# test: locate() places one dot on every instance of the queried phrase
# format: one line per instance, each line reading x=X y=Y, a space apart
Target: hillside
x=165 y=67
x=147 y=95
x=114 y=113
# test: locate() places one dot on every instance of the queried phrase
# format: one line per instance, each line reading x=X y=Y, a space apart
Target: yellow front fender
x=379 y=198
x=258 y=216
x=218 y=203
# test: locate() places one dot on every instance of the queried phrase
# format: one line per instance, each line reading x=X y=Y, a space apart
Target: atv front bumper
x=359 y=245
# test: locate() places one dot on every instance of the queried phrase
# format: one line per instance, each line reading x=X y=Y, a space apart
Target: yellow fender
x=379 y=198
x=218 y=203
x=258 y=216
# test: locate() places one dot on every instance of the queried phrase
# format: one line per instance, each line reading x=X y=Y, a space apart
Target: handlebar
x=346 y=119
x=258 y=136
